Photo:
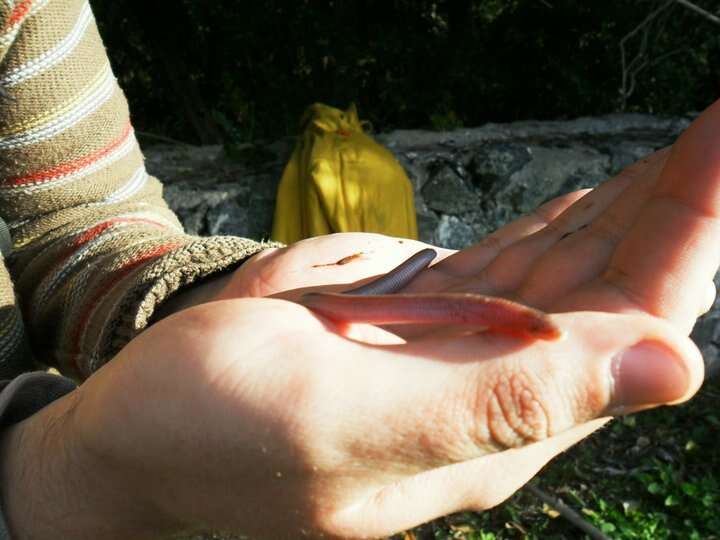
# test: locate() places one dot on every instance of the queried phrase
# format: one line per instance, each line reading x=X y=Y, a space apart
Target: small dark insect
x=344 y=260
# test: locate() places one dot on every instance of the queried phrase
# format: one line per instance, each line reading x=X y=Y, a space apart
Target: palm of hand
x=642 y=242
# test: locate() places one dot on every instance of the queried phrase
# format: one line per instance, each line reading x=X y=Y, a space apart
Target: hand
x=254 y=416
x=331 y=262
x=643 y=242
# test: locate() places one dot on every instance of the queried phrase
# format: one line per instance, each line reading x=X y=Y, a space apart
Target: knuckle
x=519 y=403
x=517 y=412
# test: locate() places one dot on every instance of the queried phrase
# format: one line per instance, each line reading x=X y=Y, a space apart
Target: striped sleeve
x=96 y=249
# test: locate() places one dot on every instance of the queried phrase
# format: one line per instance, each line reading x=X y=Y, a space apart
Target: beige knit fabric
x=95 y=247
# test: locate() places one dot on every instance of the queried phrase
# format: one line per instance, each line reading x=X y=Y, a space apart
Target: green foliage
x=203 y=71
x=670 y=488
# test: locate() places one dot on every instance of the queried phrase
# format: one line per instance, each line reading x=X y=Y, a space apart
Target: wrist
x=192 y=295
x=52 y=488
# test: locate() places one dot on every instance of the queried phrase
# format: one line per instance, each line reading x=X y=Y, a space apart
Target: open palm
x=644 y=241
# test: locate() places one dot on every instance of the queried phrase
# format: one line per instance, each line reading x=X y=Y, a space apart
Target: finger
x=671 y=252
x=604 y=364
x=333 y=263
x=582 y=256
x=473 y=395
x=708 y=300
x=471 y=260
x=479 y=396
x=521 y=392
x=512 y=267
x=478 y=484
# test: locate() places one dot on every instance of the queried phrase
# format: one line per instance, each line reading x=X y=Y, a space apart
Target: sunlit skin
x=256 y=415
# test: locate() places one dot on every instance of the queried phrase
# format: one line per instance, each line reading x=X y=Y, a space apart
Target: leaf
x=550 y=511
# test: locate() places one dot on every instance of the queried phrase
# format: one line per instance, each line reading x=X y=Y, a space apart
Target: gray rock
x=227 y=218
x=492 y=164
x=454 y=233
x=483 y=177
x=447 y=191
x=550 y=172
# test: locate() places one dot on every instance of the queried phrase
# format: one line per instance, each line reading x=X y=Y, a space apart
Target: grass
x=649 y=476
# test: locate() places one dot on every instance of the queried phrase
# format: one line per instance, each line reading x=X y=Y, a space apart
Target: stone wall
x=467 y=182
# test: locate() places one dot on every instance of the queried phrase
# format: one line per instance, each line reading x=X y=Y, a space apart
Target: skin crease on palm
x=252 y=414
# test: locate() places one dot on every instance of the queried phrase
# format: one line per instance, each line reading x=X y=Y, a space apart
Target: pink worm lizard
x=374 y=303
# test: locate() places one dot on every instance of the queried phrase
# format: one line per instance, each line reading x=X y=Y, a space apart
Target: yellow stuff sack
x=340 y=180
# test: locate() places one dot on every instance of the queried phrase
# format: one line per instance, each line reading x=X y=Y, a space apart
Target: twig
x=568 y=513
x=638 y=63
x=698 y=9
x=163 y=138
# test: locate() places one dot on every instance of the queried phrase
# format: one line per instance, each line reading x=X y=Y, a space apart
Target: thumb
x=522 y=405
x=603 y=365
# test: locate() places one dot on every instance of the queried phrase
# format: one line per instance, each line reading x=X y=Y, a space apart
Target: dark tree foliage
x=204 y=71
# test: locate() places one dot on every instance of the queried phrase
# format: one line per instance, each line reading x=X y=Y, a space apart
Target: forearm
x=97 y=250
x=53 y=488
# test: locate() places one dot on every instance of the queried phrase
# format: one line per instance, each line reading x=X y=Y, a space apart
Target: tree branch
x=638 y=63
x=568 y=513
x=697 y=9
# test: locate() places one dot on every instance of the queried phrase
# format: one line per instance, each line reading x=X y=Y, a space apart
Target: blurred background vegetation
x=206 y=71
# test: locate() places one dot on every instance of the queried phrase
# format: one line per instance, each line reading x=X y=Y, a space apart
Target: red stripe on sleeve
x=70 y=166
x=106 y=287
x=98 y=229
x=18 y=14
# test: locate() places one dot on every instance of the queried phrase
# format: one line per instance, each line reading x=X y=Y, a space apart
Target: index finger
x=671 y=253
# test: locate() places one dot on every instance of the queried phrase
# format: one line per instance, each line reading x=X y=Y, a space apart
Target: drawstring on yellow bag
x=340 y=180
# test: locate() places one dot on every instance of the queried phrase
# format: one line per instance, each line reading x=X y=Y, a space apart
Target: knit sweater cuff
x=127 y=309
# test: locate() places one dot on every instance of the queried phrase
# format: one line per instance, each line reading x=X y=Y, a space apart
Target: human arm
x=96 y=247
